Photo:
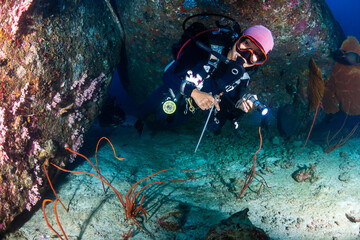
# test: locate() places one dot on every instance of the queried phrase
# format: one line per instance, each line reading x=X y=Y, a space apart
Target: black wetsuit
x=210 y=76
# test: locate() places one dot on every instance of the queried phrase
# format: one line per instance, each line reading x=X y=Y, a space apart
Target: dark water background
x=347 y=13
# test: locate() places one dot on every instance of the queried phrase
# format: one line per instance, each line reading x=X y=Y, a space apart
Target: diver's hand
x=204 y=100
x=245 y=104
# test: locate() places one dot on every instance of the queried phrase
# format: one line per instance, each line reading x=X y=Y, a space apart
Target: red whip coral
x=133 y=207
x=252 y=173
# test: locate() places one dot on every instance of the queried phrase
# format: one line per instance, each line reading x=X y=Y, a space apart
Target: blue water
x=346 y=12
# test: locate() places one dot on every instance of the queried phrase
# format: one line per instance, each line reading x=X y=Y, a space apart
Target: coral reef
x=56 y=64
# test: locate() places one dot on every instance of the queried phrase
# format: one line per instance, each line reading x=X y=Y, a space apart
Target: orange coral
x=343 y=88
x=316 y=85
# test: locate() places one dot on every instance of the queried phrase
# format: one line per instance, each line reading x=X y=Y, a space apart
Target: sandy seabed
x=326 y=209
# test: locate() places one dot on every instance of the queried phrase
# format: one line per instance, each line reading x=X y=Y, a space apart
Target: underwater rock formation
x=237 y=226
x=302 y=29
x=306 y=174
x=56 y=63
x=343 y=87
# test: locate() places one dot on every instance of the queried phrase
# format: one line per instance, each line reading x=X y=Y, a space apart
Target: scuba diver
x=347 y=58
x=210 y=72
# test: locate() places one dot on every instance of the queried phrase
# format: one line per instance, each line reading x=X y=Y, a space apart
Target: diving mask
x=251 y=50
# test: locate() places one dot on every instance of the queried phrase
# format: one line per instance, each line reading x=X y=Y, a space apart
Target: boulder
x=237 y=226
x=57 y=59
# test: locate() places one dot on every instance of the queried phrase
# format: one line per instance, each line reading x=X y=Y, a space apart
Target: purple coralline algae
x=56 y=64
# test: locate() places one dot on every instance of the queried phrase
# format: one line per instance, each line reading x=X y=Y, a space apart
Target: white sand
x=288 y=210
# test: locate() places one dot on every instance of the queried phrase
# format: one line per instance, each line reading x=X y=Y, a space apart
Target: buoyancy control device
x=222 y=31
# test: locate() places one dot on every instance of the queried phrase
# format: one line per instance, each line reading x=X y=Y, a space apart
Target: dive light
x=257 y=104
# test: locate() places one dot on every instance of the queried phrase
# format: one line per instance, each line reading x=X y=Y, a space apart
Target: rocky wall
x=56 y=62
x=301 y=28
